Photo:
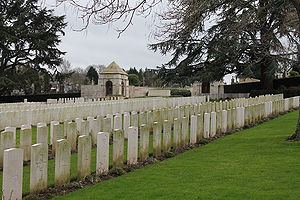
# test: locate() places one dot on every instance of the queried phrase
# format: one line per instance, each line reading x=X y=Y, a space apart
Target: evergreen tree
x=92 y=74
x=29 y=36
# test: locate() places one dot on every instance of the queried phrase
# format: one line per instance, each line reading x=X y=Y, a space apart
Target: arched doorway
x=109 y=88
x=123 y=88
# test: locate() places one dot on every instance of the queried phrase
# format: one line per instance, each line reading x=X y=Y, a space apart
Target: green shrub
x=204 y=141
x=169 y=154
x=294 y=74
x=117 y=171
x=181 y=92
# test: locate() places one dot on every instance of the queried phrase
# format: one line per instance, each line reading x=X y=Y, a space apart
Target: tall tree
x=246 y=37
x=92 y=74
x=29 y=36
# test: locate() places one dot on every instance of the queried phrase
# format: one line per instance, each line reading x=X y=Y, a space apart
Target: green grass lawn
x=252 y=164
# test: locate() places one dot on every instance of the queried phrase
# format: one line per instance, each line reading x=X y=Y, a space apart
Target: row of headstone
x=71 y=130
x=189 y=125
x=61 y=112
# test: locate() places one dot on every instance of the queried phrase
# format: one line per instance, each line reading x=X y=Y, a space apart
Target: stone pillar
x=25 y=141
x=39 y=167
x=62 y=163
x=206 y=125
x=224 y=121
x=42 y=133
x=6 y=142
x=132 y=152
x=12 y=174
x=157 y=134
x=144 y=142
x=193 y=130
x=102 y=162
x=118 y=148
x=84 y=157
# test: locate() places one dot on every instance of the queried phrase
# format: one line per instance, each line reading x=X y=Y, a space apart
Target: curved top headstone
x=114 y=68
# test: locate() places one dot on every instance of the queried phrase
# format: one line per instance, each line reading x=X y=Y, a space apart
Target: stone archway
x=109 y=88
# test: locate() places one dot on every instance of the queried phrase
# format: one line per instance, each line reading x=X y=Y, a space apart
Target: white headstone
x=176 y=133
x=84 y=156
x=26 y=140
x=6 y=142
x=213 y=124
x=102 y=162
x=52 y=123
x=132 y=145
x=118 y=148
x=39 y=167
x=144 y=142
x=12 y=174
x=157 y=138
x=62 y=163
x=224 y=121
x=206 y=125
x=42 y=133
x=193 y=130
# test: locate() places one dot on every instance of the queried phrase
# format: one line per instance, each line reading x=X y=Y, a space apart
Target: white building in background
x=112 y=81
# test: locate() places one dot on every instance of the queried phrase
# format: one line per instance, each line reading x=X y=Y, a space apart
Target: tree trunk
x=266 y=78
x=296 y=135
x=265 y=64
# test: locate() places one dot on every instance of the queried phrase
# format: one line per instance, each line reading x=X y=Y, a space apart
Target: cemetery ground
x=256 y=163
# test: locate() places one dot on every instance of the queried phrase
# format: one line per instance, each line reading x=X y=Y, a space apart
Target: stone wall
x=138 y=91
x=91 y=91
x=159 y=93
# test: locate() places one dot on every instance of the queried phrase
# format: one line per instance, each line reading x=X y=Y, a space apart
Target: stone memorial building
x=112 y=81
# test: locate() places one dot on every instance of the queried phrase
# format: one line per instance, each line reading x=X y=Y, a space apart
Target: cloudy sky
x=100 y=44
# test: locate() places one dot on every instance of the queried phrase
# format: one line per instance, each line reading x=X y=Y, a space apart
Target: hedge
x=286 y=93
x=181 y=92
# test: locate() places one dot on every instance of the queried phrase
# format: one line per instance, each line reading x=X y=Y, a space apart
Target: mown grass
x=252 y=164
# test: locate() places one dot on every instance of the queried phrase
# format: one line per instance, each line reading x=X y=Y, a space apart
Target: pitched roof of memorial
x=114 y=68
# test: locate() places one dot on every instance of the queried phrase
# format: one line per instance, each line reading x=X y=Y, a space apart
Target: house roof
x=114 y=68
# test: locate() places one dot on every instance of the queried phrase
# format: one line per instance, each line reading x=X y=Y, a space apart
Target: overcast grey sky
x=100 y=44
